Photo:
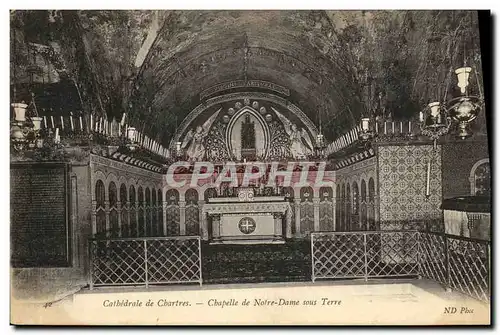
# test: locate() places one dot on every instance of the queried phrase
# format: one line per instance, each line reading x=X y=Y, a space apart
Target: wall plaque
x=40 y=234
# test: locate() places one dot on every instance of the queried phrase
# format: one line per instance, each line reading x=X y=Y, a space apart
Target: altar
x=248 y=220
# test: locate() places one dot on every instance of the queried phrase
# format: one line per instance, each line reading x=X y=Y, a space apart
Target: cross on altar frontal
x=247 y=219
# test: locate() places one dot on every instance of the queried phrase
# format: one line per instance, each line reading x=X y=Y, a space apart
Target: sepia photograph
x=250 y=167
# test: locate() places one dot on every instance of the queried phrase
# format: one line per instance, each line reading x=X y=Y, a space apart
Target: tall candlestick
x=427 y=191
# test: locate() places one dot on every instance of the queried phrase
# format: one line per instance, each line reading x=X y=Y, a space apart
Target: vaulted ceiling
x=337 y=65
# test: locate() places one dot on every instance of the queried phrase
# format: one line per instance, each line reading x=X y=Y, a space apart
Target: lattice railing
x=460 y=263
x=364 y=254
x=145 y=261
x=457 y=262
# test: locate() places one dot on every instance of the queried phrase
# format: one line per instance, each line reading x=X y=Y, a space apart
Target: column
x=215 y=226
x=278 y=222
x=297 y=216
x=289 y=222
x=334 y=208
x=106 y=211
x=94 y=219
x=165 y=218
x=316 y=213
x=127 y=219
x=182 y=217
x=119 y=212
x=203 y=221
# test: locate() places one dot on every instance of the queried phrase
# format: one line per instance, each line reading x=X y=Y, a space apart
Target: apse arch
x=198 y=110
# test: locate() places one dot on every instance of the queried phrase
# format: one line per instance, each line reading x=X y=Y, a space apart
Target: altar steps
x=224 y=264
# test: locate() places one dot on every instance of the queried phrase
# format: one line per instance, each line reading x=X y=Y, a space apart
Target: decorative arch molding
x=239 y=114
x=195 y=113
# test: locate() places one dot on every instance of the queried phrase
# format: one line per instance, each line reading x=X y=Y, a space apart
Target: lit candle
x=427 y=191
x=81 y=123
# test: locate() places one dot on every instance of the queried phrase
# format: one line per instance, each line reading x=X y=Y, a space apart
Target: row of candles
x=102 y=125
x=388 y=128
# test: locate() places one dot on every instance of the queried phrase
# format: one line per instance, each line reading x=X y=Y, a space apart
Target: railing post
x=91 y=266
x=447 y=263
x=488 y=263
x=146 y=262
x=199 y=258
x=419 y=253
x=312 y=258
x=366 y=256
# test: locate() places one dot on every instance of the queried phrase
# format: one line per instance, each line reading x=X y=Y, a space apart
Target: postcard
x=250 y=167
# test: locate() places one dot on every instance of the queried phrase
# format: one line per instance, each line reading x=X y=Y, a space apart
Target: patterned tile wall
x=402 y=185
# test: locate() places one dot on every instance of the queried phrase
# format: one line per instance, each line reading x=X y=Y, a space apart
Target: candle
x=119 y=129
x=376 y=127
x=393 y=127
x=400 y=127
x=427 y=191
x=71 y=122
x=409 y=126
x=421 y=116
x=91 y=124
x=385 y=128
x=123 y=119
x=52 y=121
x=56 y=138
x=81 y=123
x=62 y=123
x=45 y=121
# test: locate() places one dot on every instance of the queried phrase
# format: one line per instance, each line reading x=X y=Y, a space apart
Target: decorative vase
x=463 y=78
x=19 y=111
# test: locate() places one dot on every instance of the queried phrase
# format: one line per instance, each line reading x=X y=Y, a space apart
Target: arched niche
x=234 y=130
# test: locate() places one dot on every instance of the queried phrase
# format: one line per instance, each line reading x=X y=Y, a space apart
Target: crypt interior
x=388 y=104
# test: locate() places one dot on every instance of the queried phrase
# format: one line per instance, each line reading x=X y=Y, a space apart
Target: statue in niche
x=194 y=141
x=300 y=143
x=248 y=134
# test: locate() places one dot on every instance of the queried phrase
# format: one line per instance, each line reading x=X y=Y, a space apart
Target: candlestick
x=427 y=191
